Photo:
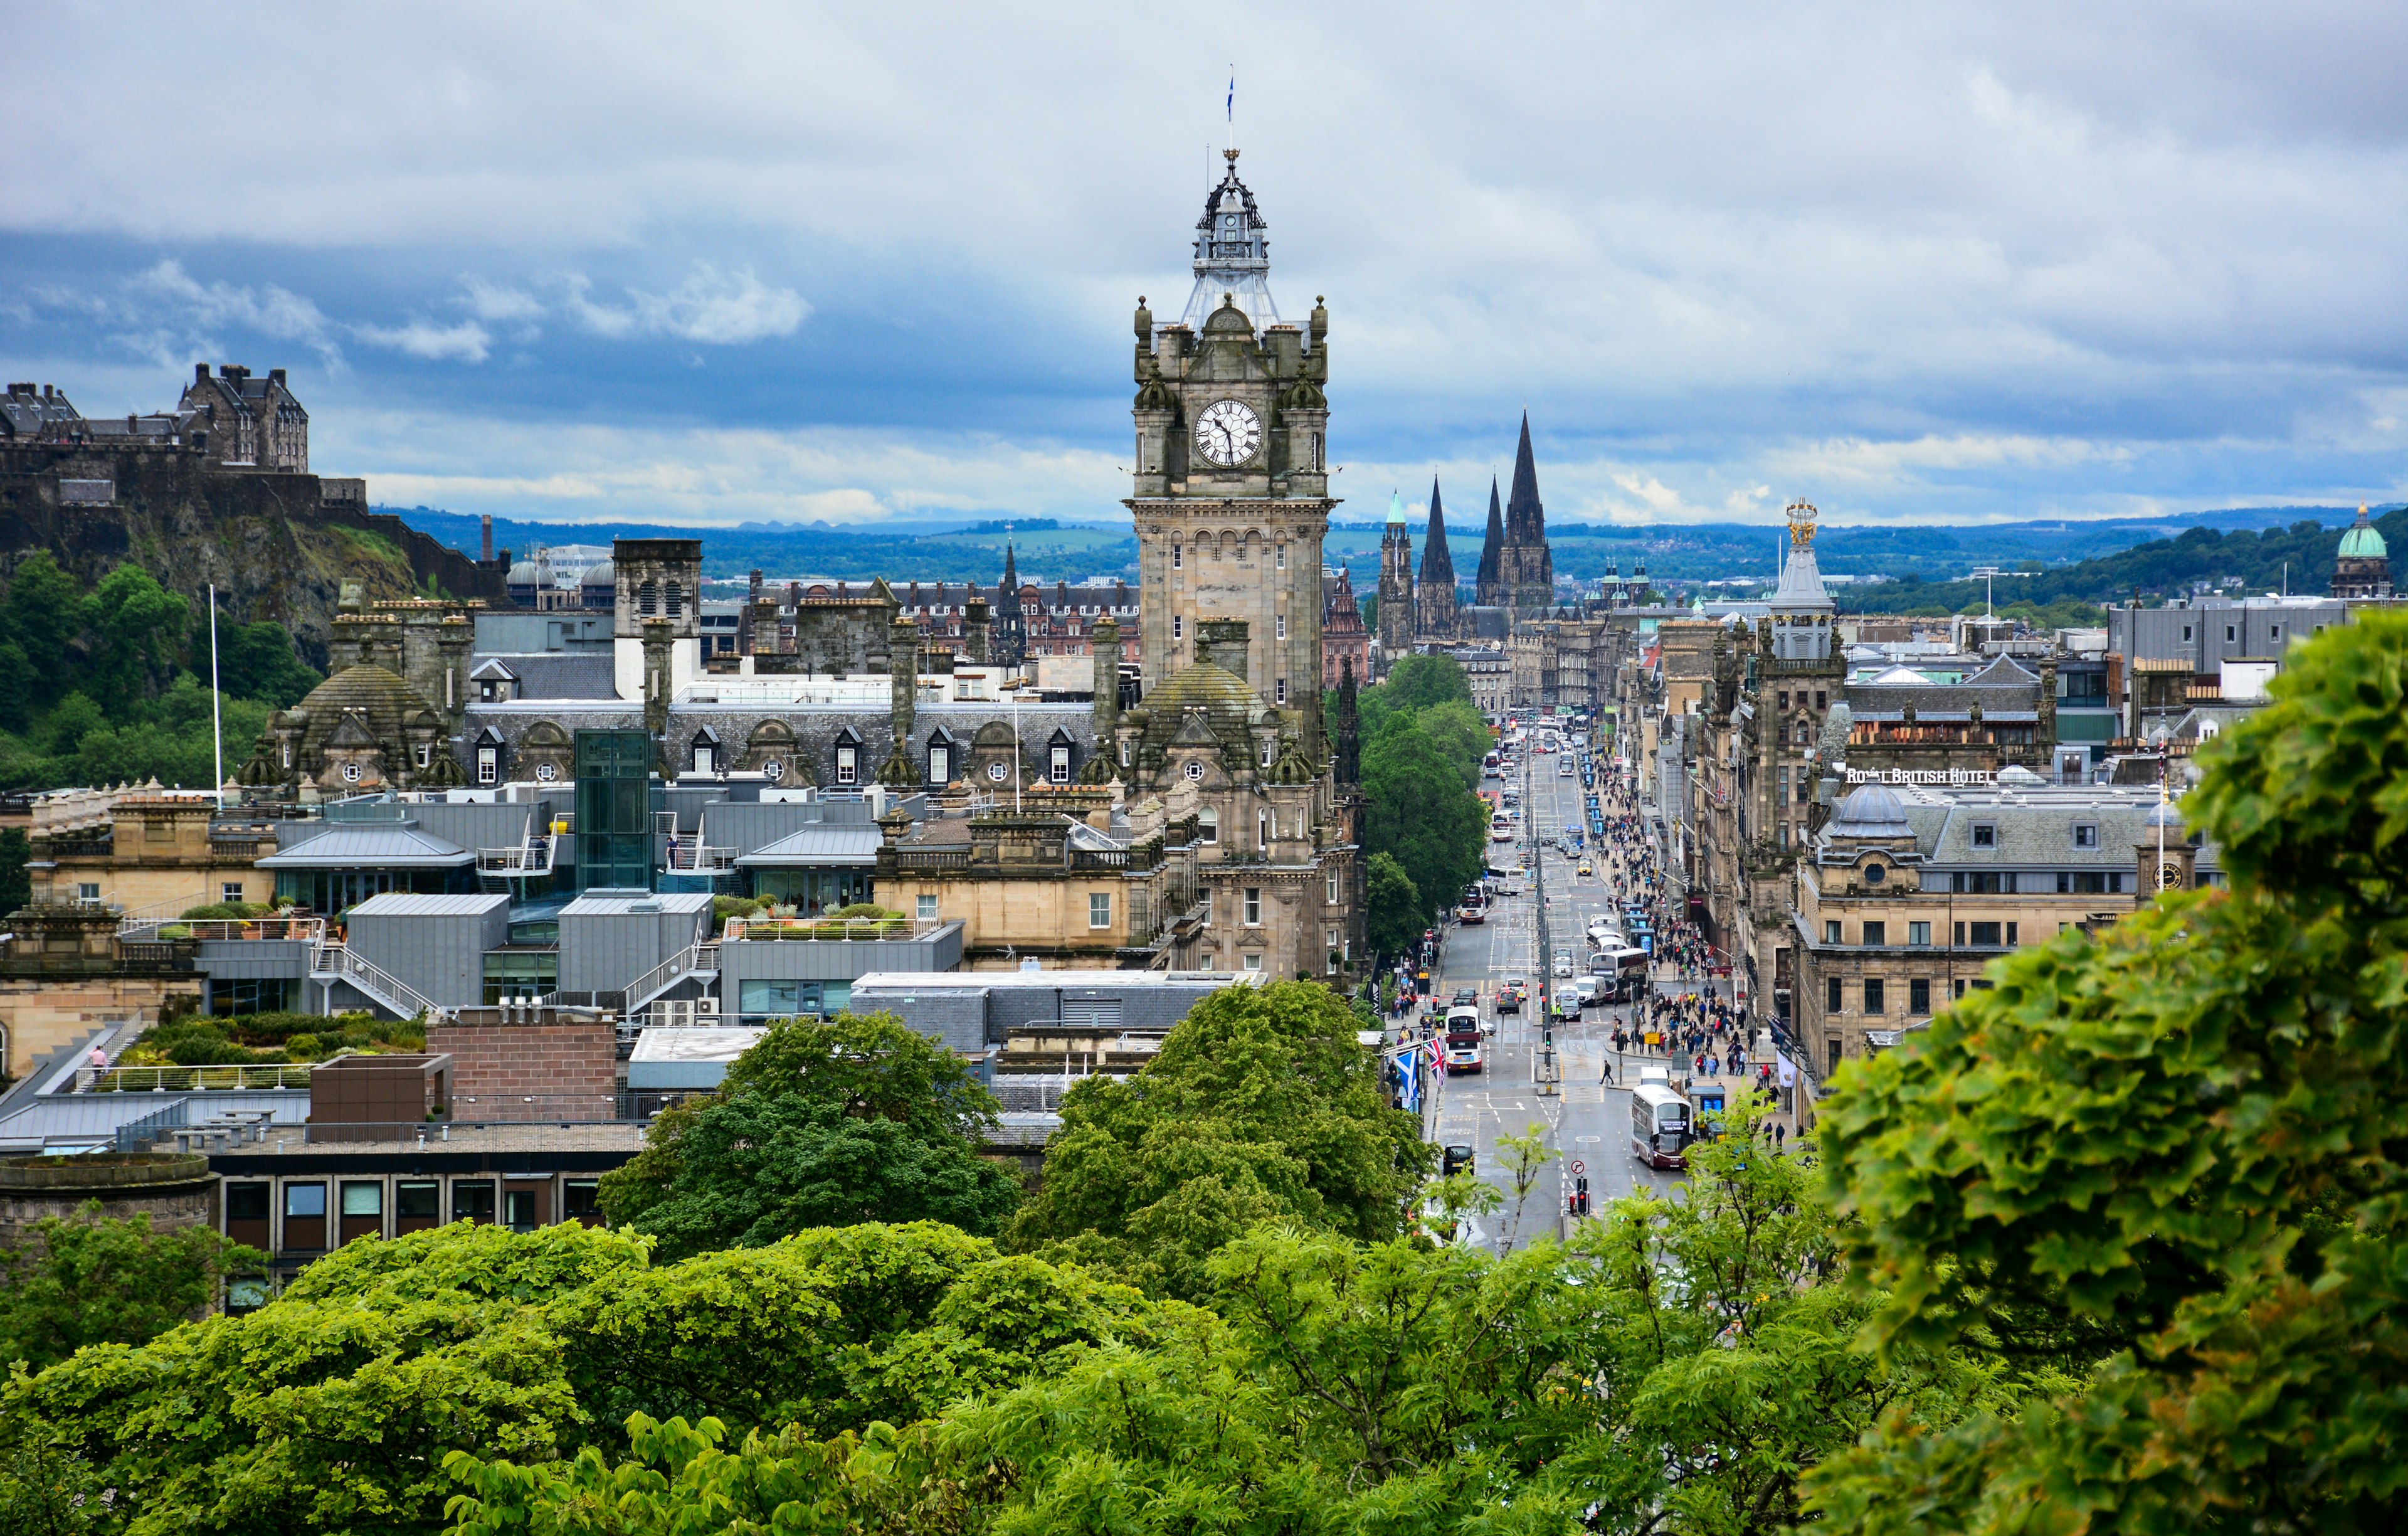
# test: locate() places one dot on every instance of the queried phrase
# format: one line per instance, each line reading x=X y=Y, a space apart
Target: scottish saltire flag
x=1233 y=96
x=1409 y=1078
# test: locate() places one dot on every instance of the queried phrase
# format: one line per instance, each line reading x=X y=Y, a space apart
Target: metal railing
x=223 y=930
x=827 y=929
x=532 y=858
x=506 y=1111
x=693 y=961
x=691 y=858
x=190 y=1079
x=338 y=961
x=139 y=1134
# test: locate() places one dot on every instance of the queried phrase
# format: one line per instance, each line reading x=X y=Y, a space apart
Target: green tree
x=256 y=661
x=137 y=627
x=819 y=1123
x=1393 y=913
x=45 y=615
x=2167 y=1156
x=1456 y=730
x=1419 y=813
x=89 y=1279
x=1259 y=1106
x=1419 y=680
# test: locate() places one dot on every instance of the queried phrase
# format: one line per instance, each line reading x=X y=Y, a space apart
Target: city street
x=1590 y=1120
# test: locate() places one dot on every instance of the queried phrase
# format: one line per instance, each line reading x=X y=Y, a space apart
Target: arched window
x=647 y=599
x=1208 y=826
x=676 y=599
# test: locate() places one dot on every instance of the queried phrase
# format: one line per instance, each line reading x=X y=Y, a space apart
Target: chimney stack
x=485 y=539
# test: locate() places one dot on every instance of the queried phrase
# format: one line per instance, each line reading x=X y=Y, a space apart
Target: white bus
x=1659 y=1125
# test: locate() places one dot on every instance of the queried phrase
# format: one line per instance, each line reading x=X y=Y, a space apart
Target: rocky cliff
x=278 y=546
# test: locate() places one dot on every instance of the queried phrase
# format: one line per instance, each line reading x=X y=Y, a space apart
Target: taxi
x=1586 y=868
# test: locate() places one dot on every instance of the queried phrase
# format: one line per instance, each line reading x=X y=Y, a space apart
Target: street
x=1589 y=1121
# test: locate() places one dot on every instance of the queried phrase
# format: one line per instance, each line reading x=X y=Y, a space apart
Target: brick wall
x=499 y=1065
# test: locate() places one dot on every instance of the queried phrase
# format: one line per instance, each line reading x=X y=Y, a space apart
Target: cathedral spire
x=1525 y=519
x=1438 y=566
x=1492 y=552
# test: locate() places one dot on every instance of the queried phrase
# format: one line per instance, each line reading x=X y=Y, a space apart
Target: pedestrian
x=1780 y=1137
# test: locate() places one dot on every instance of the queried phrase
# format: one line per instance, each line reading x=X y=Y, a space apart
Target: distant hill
x=970 y=551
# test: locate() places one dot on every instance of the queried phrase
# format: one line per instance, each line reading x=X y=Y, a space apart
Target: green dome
x=2361 y=542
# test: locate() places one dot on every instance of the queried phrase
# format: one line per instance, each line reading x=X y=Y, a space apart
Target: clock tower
x=1231 y=488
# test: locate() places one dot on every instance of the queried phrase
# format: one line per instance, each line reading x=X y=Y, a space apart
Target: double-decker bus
x=1659 y=1125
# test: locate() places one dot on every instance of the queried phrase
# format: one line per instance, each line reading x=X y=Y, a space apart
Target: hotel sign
x=1958 y=777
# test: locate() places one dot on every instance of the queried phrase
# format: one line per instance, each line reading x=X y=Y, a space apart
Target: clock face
x=2169 y=876
x=1229 y=433
x=996 y=772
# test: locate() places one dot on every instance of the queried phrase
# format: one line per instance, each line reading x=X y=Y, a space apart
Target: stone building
x=65 y=972
x=1344 y=643
x=1397 y=626
x=1517 y=570
x=145 y=851
x=1437 y=609
x=2362 y=565
x=1231 y=504
x=1911 y=890
x=249 y=421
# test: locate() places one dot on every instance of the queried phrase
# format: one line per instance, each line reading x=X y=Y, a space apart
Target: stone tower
x=656 y=616
x=1526 y=571
x=1438 y=616
x=1009 y=642
x=1397 y=623
x=1231 y=495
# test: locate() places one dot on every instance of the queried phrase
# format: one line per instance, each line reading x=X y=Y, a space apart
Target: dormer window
x=1986 y=835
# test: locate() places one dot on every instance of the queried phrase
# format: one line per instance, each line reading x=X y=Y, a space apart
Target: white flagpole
x=216 y=720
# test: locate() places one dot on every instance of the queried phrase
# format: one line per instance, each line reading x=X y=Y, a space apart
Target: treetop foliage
x=2172 y=1147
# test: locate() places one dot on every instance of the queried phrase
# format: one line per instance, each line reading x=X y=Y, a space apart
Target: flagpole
x=216 y=720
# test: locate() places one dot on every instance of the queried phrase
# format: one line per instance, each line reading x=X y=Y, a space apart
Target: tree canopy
x=2170 y=1150
x=821 y=1122
x=1259 y=1106
x=91 y=1279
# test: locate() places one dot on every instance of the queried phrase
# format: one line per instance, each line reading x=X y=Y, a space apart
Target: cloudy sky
x=711 y=264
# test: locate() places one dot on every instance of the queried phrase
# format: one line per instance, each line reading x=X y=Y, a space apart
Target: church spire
x=1525 y=519
x=1492 y=552
x=1438 y=566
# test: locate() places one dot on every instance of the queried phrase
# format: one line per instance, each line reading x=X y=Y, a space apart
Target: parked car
x=1457 y=1158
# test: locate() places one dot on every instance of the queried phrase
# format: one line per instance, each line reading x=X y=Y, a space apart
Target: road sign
x=1579 y=1167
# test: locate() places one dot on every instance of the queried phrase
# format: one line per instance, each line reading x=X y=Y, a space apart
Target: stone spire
x=1529 y=573
x=1437 y=611
x=1009 y=642
x=1492 y=553
x=1397 y=626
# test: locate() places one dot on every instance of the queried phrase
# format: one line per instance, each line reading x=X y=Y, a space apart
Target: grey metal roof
x=822 y=845
x=404 y=904
x=564 y=675
x=353 y=846
x=593 y=904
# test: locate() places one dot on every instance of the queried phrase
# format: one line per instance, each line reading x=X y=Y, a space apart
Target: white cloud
x=724 y=308
x=467 y=341
x=197 y=311
x=499 y=303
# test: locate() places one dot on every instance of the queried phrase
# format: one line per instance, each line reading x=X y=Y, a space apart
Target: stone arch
x=771 y=749
x=547 y=745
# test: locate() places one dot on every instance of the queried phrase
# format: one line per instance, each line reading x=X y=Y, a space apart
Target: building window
x=1263 y=830
x=1877 y=933
x=489 y=765
x=1178 y=627
x=705 y=757
x=926 y=909
x=1918 y=933
x=1832 y=1001
x=2274 y=632
x=848 y=765
x=1178 y=557
x=230 y=890
x=1783 y=703
x=1986 y=935
x=1099 y=910
x=88 y=893
x=1918 y=994
x=1281 y=621
x=2086 y=835
x=1281 y=691
x=472 y=1200
x=2012 y=940
x=1835 y=1055
x=1254 y=962
x=1821 y=701
x=1281 y=560
x=2231 y=634
x=940 y=765
x=1873 y=996
x=1253 y=906
x=1208 y=826
x=1333 y=887
x=1831 y=930
x=1057 y=765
